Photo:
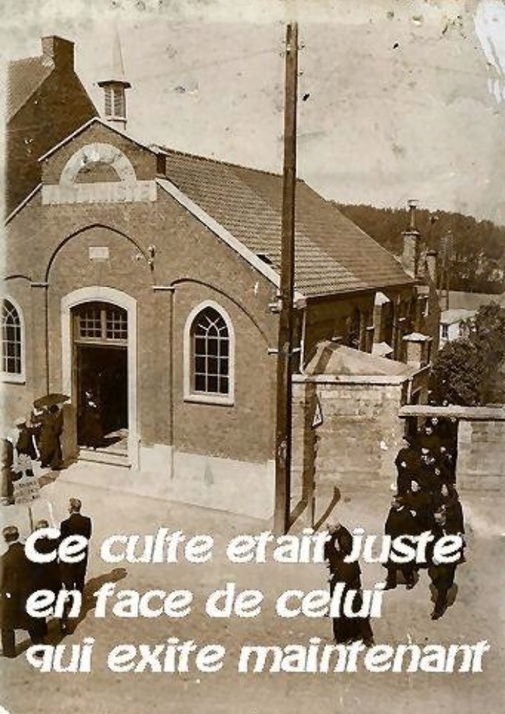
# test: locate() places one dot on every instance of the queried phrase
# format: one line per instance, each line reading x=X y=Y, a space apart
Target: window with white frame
x=12 y=340
x=210 y=354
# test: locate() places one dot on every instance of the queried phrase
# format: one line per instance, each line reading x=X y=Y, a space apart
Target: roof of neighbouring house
x=332 y=358
x=459 y=300
x=449 y=317
x=24 y=77
x=332 y=253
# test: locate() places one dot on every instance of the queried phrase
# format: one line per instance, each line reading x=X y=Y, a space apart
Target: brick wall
x=59 y=107
x=481 y=455
x=359 y=437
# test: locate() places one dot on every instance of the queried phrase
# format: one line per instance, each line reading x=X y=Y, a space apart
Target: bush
x=469 y=371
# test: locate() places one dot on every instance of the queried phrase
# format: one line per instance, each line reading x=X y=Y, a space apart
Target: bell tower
x=115 y=88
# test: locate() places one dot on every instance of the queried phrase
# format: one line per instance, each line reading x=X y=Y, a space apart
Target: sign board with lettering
x=26 y=490
x=100 y=192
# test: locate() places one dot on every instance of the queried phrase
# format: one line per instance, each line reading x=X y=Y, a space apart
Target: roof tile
x=332 y=254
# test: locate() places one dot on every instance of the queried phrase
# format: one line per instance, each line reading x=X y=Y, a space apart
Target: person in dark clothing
x=74 y=574
x=421 y=503
x=427 y=476
x=441 y=574
x=453 y=511
x=26 y=452
x=90 y=424
x=50 y=434
x=24 y=442
x=16 y=586
x=428 y=439
x=346 y=629
x=447 y=466
x=400 y=521
x=47 y=576
x=8 y=473
x=408 y=463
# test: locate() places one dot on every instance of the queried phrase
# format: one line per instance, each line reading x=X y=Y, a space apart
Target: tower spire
x=115 y=87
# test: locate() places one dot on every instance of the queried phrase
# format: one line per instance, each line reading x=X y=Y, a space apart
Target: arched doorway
x=99 y=333
x=100 y=367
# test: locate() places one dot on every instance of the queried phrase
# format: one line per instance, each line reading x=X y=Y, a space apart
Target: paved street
x=477 y=614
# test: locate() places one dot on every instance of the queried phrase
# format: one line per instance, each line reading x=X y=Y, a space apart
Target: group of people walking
x=20 y=577
x=37 y=438
x=426 y=500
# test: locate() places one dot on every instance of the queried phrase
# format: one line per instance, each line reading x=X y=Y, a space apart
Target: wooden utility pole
x=285 y=341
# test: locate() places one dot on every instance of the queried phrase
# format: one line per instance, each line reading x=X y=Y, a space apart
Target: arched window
x=210 y=348
x=12 y=340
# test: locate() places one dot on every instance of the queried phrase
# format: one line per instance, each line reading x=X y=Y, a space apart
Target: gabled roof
x=449 y=317
x=24 y=77
x=332 y=254
x=331 y=358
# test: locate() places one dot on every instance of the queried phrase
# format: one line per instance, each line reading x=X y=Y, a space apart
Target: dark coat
x=421 y=503
x=408 y=460
x=76 y=524
x=47 y=576
x=454 y=519
x=49 y=443
x=74 y=573
x=16 y=585
x=401 y=522
x=335 y=551
x=430 y=441
x=24 y=443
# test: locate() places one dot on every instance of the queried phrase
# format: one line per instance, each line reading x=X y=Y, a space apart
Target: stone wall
x=481 y=443
x=359 y=438
x=481 y=455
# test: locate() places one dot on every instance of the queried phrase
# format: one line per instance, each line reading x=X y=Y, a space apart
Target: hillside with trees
x=476 y=251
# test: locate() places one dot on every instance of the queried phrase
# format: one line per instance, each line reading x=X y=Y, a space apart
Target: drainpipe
x=302 y=341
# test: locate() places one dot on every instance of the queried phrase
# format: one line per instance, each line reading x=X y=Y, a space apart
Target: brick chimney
x=411 y=243
x=432 y=265
x=418 y=348
x=58 y=52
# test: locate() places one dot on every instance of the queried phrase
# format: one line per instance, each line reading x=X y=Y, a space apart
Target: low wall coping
x=463 y=413
x=393 y=380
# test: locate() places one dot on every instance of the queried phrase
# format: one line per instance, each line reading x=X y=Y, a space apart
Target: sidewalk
x=477 y=614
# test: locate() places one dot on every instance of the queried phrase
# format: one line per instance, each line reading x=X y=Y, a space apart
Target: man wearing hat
x=16 y=586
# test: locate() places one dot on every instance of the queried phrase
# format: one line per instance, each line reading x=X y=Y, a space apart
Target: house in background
x=460 y=307
x=149 y=278
x=46 y=102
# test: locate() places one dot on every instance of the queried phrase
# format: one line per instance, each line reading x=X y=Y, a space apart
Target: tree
x=470 y=371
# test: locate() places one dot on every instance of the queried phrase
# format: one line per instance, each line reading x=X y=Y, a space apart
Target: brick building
x=46 y=101
x=148 y=279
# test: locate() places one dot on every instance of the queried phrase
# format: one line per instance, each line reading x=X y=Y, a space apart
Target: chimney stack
x=58 y=52
x=411 y=243
x=431 y=266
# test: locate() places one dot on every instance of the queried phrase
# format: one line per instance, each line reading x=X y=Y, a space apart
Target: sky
x=403 y=98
